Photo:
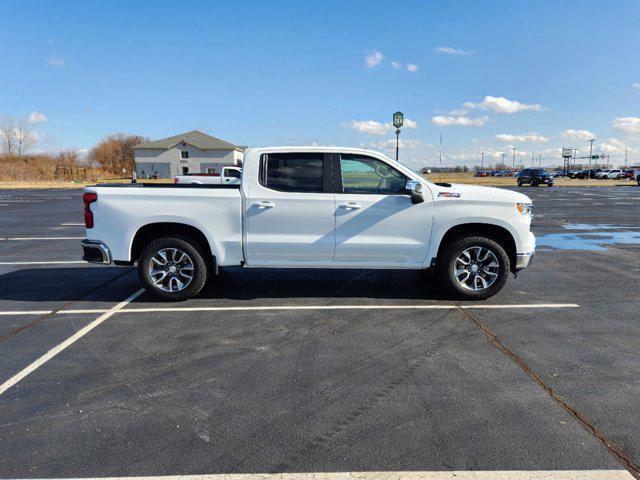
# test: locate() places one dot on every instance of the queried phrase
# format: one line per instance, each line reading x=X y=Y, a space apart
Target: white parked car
x=311 y=207
x=230 y=175
x=611 y=174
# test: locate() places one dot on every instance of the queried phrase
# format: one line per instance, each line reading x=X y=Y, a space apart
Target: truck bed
x=121 y=210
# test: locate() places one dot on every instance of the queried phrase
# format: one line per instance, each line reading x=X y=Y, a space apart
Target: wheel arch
x=495 y=232
x=151 y=231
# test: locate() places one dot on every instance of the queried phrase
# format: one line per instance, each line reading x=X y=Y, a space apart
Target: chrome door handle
x=265 y=204
x=351 y=206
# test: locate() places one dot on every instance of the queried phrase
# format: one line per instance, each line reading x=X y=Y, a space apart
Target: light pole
x=398 y=120
x=514 y=157
x=590 y=154
x=482 y=162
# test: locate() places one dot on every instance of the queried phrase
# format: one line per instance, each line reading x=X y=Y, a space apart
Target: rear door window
x=293 y=172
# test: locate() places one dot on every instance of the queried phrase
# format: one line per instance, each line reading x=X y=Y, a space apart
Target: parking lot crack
x=618 y=452
x=54 y=312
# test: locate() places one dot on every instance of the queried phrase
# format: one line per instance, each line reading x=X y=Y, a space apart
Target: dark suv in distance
x=535 y=177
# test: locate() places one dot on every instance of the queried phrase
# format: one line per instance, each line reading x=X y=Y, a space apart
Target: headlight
x=525 y=208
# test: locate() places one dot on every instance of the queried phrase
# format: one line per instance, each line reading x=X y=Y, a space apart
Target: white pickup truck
x=229 y=175
x=311 y=207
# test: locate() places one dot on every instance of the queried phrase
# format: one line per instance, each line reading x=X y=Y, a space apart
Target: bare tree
x=16 y=138
x=116 y=152
x=25 y=138
x=7 y=135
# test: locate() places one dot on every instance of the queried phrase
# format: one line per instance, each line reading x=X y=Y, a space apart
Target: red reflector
x=88 y=198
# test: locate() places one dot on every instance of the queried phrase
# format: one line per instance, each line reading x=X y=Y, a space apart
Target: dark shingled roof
x=196 y=138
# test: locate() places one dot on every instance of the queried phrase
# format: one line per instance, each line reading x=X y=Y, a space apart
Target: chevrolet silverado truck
x=311 y=207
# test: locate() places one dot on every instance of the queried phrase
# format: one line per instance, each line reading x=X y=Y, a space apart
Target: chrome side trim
x=104 y=251
x=523 y=260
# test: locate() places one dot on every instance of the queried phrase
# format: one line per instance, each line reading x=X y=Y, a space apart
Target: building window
x=184 y=154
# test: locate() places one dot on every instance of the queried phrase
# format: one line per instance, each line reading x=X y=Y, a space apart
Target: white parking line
x=411 y=475
x=72 y=224
x=39 y=238
x=46 y=262
x=69 y=341
x=250 y=308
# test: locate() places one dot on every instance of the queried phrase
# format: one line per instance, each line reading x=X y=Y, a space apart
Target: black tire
x=445 y=272
x=519 y=183
x=192 y=249
x=549 y=184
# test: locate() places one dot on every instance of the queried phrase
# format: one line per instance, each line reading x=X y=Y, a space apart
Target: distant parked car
x=480 y=174
x=610 y=174
x=636 y=174
x=535 y=177
x=628 y=174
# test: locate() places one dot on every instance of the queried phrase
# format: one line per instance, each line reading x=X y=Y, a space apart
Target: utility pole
x=625 y=157
x=575 y=150
x=514 y=158
x=540 y=160
x=503 y=158
x=590 y=154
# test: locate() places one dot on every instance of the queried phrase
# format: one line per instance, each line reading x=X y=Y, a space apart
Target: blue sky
x=488 y=75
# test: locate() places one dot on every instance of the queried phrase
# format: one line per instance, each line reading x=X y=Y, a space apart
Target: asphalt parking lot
x=332 y=371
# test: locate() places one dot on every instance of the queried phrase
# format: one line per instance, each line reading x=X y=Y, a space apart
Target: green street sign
x=595 y=157
x=398 y=119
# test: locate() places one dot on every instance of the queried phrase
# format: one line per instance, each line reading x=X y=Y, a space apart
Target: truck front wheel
x=173 y=268
x=473 y=268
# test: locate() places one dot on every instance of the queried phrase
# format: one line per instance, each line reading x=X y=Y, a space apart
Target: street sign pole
x=398 y=121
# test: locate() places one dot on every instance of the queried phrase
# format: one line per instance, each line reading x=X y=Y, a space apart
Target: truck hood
x=476 y=192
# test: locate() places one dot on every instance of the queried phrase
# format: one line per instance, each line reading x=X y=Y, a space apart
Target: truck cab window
x=362 y=174
x=232 y=172
x=293 y=172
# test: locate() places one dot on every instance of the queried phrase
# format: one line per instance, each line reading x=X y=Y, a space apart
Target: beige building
x=191 y=152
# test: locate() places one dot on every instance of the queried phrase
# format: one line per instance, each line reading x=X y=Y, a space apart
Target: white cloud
x=396 y=65
x=55 y=61
x=612 y=147
x=373 y=58
x=504 y=105
x=50 y=41
x=377 y=128
x=37 y=117
x=527 y=137
x=628 y=125
x=446 y=120
x=578 y=134
x=390 y=144
x=412 y=67
x=452 y=51
x=636 y=86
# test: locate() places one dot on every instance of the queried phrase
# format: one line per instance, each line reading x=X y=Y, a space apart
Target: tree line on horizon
x=112 y=156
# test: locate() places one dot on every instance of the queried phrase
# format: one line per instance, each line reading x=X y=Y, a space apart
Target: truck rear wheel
x=173 y=268
x=473 y=268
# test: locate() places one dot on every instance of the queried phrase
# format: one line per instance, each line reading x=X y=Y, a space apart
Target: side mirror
x=415 y=190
